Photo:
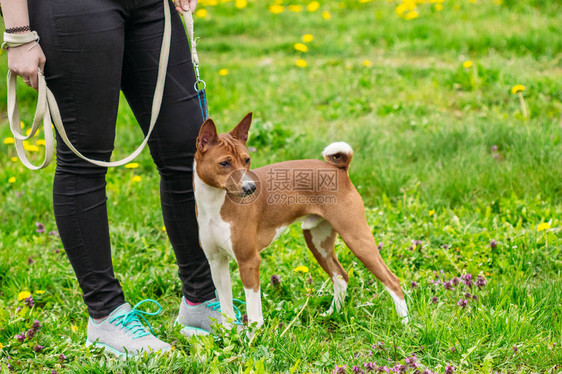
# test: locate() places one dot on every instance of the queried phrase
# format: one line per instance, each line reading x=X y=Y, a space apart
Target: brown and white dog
x=241 y=211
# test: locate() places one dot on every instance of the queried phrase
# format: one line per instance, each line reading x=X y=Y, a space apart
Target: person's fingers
x=33 y=82
x=192 y=5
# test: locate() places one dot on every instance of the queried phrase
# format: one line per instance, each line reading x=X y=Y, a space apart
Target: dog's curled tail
x=338 y=154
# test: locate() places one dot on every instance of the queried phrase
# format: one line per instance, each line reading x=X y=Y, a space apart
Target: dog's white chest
x=214 y=232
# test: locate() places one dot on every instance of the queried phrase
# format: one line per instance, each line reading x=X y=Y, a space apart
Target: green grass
x=428 y=135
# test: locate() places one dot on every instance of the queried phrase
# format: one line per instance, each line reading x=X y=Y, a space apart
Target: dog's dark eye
x=224 y=164
x=248 y=160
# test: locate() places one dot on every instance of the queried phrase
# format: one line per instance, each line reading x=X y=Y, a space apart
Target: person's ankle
x=190 y=303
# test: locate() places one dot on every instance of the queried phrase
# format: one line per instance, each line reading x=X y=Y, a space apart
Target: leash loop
x=48 y=109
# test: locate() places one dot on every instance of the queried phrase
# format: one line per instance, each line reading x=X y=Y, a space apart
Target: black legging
x=94 y=49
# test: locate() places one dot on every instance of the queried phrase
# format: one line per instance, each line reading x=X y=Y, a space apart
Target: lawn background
x=443 y=155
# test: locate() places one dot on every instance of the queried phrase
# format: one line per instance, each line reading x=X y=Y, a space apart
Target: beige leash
x=47 y=107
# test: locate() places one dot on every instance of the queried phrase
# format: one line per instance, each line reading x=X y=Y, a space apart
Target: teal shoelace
x=217 y=305
x=131 y=323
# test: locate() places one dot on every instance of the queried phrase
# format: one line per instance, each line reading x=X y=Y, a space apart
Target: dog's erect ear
x=240 y=132
x=207 y=135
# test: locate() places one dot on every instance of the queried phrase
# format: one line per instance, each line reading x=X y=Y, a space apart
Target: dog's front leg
x=250 y=274
x=221 y=277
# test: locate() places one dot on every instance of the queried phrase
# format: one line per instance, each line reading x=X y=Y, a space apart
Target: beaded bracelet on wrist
x=13 y=30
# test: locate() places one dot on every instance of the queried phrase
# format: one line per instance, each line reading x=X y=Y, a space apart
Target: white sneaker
x=122 y=333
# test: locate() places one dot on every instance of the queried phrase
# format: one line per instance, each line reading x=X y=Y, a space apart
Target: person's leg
x=172 y=143
x=83 y=43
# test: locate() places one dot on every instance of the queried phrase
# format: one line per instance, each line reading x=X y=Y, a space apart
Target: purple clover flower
x=468 y=295
x=356 y=369
x=339 y=369
x=411 y=361
x=455 y=281
x=30 y=333
x=40 y=227
x=38 y=348
x=398 y=368
x=434 y=300
x=380 y=246
x=480 y=281
x=21 y=337
x=449 y=369
x=414 y=284
x=467 y=280
x=462 y=303
x=36 y=325
x=448 y=286
x=30 y=261
x=370 y=366
x=62 y=357
x=29 y=301
x=275 y=280
x=493 y=244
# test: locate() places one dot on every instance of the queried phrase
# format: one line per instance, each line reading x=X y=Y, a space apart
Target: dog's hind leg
x=320 y=237
x=357 y=235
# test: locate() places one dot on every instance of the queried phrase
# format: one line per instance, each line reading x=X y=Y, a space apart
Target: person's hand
x=184 y=5
x=26 y=62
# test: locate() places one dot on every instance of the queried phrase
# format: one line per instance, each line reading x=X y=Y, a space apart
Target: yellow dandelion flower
x=39 y=292
x=307 y=38
x=1 y=346
x=301 y=269
x=295 y=8
x=365 y=1
x=438 y=7
x=367 y=63
x=73 y=328
x=411 y=15
x=136 y=178
x=467 y=64
x=276 y=9
x=12 y=180
x=202 y=13
x=40 y=142
x=326 y=15
x=401 y=9
x=173 y=348
x=241 y=4
x=132 y=165
x=313 y=6
x=163 y=228
x=517 y=88
x=27 y=132
x=301 y=63
x=301 y=47
x=431 y=212
x=31 y=148
x=223 y=72
x=22 y=125
x=13 y=159
x=9 y=140
x=543 y=226
x=23 y=295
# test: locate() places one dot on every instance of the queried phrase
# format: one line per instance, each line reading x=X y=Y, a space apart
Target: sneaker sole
x=115 y=352
x=190 y=331
x=121 y=355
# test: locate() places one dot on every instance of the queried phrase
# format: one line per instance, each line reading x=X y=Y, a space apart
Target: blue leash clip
x=201 y=95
